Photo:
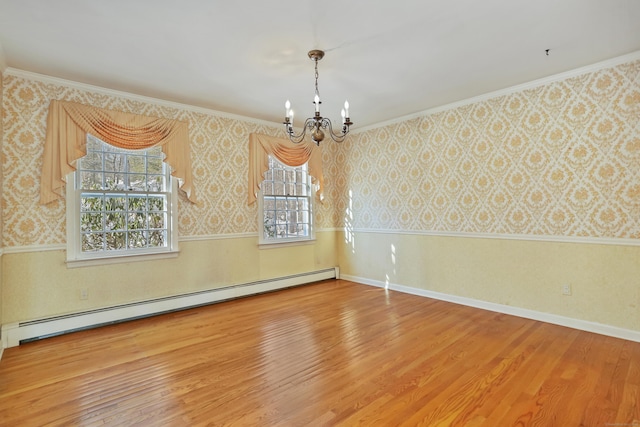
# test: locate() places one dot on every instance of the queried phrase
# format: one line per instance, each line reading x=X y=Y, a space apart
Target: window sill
x=286 y=243
x=119 y=259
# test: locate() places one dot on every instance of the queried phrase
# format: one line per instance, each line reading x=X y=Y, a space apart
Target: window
x=121 y=203
x=285 y=204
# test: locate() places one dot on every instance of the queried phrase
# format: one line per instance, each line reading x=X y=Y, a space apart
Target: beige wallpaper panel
x=561 y=159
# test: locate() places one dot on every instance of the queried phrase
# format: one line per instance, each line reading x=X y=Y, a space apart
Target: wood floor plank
x=331 y=353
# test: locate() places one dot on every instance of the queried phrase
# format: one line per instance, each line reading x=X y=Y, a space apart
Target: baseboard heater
x=16 y=333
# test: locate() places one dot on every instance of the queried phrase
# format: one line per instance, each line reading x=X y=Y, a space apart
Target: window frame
x=77 y=258
x=275 y=242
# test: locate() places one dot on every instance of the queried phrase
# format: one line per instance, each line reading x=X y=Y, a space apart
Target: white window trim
x=292 y=241
x=75 y=257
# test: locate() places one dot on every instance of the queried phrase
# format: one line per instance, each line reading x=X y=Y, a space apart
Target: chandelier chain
x=317 y=91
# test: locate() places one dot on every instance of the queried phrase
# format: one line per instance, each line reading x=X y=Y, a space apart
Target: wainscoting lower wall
x=15 y=333
x=519 y=277
x=38 y=285
x=555 y=319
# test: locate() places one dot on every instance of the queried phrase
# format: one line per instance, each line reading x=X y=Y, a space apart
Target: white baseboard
x=555 y=319
x=14 y=333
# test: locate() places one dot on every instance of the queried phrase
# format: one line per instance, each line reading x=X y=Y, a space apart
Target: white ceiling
x=388 y=58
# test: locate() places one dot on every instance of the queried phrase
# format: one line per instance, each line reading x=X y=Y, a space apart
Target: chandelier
x=317 y=123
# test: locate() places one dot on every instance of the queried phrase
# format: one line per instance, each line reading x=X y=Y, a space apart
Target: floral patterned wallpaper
x=560 y=159
x=1 y=166
x=219 y=150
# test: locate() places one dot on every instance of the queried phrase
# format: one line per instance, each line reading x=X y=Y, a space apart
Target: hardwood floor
x=331 y=353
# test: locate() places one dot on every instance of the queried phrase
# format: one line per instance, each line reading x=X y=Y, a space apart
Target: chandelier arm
x=337 y=137
x=298 y=138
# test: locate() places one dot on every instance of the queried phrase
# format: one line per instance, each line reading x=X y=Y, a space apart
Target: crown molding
x=132 y=96
x=612 y=62
x=171 y=104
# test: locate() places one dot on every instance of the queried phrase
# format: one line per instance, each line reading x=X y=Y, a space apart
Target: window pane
x=115 y=221
x=157 y=238
x=114 y=203
x=137 y=203
x=91 y=203
x=90 y=180
x=93 y=143
x=278 y=188
x=91 y=222
x=114 y=162
x=92 y=242
x=156 y=183
x=290 y=189
x=137 y=182
x=137 y=164
x=281 y=231
x=156 y=220
x=290 y=175
x=137 y=239
x=156 y=203
x=92 y=161
x=136 y=220
x=114 y=181
x=154 y=165
x=267 y=188
x=269 y=203
x=116 y=240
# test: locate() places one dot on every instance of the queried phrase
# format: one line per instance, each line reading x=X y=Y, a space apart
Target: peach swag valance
x=69 y=122
x=261 y=146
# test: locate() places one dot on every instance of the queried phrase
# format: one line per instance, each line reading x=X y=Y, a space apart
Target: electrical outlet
x=566 y=289
x=84 y=294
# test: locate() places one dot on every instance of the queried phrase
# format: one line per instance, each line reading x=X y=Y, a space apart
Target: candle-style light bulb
x=346 y=108
x=287 y=108
x=316 y=100
x=344 y=115
x=291 y=117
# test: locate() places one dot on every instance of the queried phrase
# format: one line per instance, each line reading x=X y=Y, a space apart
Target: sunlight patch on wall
x=349 y=235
